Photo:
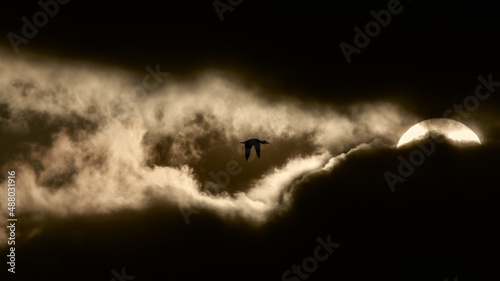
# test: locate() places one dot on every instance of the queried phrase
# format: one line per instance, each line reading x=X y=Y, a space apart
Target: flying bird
x=253 y=142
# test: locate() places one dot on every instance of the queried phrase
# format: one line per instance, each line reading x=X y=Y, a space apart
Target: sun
x=449 y=128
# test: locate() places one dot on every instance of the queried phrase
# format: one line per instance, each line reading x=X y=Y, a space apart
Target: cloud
x=82 y=142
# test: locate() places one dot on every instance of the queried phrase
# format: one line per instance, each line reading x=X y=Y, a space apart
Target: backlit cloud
x=81 y=142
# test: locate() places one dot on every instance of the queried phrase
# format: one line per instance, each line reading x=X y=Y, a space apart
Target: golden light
x=449 y=128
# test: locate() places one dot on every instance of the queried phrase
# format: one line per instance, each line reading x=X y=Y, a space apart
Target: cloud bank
x=83 y=141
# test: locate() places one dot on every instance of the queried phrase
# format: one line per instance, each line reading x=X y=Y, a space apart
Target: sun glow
x=449 y=128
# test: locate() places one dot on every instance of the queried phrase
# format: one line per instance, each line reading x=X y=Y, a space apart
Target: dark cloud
x=415 y=229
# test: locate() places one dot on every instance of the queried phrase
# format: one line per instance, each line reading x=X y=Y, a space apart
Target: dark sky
x=437 y=225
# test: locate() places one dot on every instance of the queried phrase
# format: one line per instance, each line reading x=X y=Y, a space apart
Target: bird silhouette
x=253 y=142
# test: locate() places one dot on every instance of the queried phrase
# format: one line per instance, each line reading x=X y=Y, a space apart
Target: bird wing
x=257 y=148
x=248 y=148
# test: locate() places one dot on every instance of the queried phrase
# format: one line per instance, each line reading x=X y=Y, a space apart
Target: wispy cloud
x=73 y=154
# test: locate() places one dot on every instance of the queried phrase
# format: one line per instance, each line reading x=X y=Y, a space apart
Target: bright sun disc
x=449 y=128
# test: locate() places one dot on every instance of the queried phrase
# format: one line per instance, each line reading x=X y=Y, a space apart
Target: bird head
x=264 y=142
